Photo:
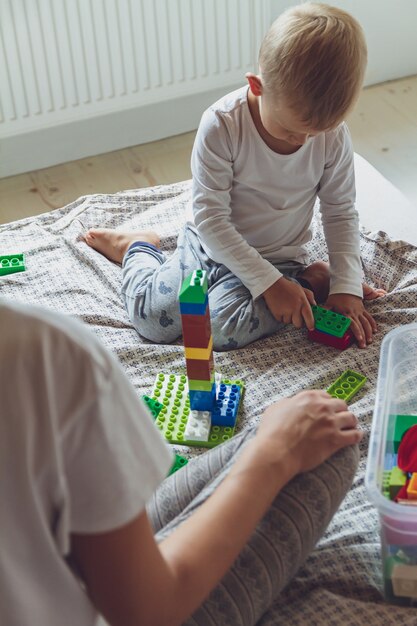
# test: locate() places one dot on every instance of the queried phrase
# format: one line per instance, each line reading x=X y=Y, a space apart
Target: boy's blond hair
x=314 y=56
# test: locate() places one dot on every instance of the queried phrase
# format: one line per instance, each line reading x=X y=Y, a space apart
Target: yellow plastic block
x=202 y=354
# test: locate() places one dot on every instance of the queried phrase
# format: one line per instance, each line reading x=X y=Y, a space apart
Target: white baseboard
x=51 y=145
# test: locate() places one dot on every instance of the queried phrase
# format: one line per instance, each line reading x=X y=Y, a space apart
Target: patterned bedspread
x=342 y=580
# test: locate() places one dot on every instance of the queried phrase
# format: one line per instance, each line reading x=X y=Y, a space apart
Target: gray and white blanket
x=341 y=583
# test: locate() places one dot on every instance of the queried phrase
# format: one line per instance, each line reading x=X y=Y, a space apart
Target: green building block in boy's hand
x=330 y=322
x=11 y=263
x=347 y=385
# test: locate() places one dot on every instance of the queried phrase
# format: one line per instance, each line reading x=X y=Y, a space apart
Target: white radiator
x=81 y=77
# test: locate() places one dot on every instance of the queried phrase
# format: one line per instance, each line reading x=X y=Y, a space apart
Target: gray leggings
x=151 y=283
x=280 y=544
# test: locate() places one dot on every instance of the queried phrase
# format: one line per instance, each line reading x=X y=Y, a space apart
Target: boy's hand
x=363 y=324
x=290 y=303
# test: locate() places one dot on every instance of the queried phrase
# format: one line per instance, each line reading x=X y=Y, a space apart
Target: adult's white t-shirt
x=79 y=453
x=253 y=207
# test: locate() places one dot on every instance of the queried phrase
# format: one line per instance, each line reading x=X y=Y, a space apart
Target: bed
x=341 y=582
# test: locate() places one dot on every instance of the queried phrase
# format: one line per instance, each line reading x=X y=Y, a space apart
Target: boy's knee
x=224 y=337
x=158 y=327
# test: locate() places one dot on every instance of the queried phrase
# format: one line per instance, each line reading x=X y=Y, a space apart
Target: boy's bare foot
x=318 y=275
x=114 y=243
x=370 y=293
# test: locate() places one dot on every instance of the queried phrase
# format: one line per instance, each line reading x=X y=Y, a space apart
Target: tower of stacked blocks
x=331 y=329
x=196 y=409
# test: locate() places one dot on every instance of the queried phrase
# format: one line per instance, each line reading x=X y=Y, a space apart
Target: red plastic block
x=330 y=340
x=200 y=369
x=407 y=451
x=196 y=330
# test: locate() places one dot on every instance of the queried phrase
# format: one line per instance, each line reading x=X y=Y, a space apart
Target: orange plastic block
x=412 y=488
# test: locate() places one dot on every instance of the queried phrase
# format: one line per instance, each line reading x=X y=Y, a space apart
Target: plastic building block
x=404 y=580
x=196 y=330
x=407 y=451
x=412 y=487
x=194 y=288
x=202 y=400
x=199 y=353
x=172 y=392
x=347 y=385
x=341 y=343
x=153 y=405
x=179 y=462
x=402 y=424
x=397 y=479
x=226 y=406
x=193 y=308
x=385 y=483
x=12 y=263
x=200 y=385
x=330 y=322
x=198 y=426
x=199 y=369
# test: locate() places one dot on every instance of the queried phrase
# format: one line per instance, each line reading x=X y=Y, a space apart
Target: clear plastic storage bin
x=395 y=412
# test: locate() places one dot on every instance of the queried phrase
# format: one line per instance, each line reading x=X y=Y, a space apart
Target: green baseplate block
x=347 y=385
x=330 y=322
x=12 y=263
x=172 y=392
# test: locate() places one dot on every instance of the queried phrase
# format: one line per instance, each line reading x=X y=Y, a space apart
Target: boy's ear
x=255 y=83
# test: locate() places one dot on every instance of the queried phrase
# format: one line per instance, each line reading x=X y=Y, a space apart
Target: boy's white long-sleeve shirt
x=253 y=207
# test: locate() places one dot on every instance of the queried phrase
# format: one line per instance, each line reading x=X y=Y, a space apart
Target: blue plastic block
x=202 y=400
x=194 y=308
x=226 y=406
x=391 y=460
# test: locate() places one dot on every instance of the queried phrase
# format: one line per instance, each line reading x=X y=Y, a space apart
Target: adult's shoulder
x=40 y=335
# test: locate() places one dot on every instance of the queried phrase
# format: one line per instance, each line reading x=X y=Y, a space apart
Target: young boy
x=261 y=157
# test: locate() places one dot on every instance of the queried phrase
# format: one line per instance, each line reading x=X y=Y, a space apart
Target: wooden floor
x=383 y=127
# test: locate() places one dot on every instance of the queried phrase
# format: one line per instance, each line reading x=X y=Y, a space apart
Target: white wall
x=82 y=77
x=79 y=77
x=391 y=32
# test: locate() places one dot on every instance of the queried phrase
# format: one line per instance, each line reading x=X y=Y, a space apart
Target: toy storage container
x=395 y=405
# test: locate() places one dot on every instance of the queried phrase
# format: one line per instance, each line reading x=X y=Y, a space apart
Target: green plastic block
x=385 y=483
x=172 y=392
x=194 y=288
x=397 y=479
x=201 y=385
x=153 y=405
x=402 y=424
x=179 y=462
x=330 y=322
x=11 y=263
x=347 y=385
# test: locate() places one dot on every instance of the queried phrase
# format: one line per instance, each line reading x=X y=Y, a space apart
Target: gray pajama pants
x=151 y=283
x=280 y=544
